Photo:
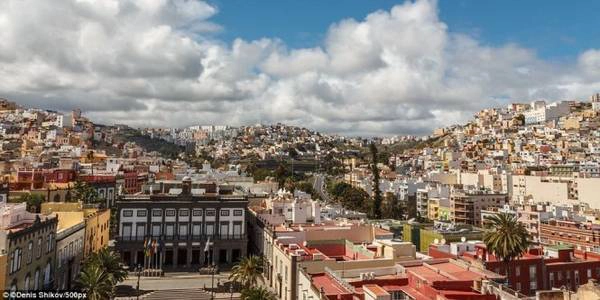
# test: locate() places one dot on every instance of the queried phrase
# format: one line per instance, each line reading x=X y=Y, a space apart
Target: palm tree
x=257 y=293
x=506 y=238
x=110 y=263
x=97 y=283
x=249 y=271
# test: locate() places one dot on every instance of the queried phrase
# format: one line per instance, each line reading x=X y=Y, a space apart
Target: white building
x=542 y=112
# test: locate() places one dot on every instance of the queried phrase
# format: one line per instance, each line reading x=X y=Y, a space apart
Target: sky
x=350 y=67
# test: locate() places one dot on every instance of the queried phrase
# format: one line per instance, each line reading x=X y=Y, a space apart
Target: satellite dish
x=463 y=239
x=436 y=241
x=443 y=241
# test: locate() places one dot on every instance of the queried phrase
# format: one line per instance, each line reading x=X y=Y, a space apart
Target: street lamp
x=212 y=284
x=138 y=270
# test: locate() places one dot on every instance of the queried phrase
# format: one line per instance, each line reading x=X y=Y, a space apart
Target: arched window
x=27 y=280
x=36 y=280
x=56 y=198
x=47 y=272
x=13 y=286
x=68 y=196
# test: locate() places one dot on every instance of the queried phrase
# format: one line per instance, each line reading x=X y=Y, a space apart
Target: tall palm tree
x=506 y=238
x=249 y=271
x=257 y=293
x=110 y=262
x=97 y=283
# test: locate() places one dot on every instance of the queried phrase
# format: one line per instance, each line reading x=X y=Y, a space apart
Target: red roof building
x=538 y=269
x=420 y=280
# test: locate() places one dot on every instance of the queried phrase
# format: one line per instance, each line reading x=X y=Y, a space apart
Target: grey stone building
x=182 y=229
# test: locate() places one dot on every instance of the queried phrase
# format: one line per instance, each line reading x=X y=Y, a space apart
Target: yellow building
x=97 y=227
x=3 y=266
x=97 y=222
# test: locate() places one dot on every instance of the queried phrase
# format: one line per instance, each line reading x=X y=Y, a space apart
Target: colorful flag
x=146 y=243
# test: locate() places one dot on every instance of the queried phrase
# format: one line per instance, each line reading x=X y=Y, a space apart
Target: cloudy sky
x=380 y=69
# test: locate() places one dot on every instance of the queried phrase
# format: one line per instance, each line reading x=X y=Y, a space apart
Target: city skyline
x=370 y=72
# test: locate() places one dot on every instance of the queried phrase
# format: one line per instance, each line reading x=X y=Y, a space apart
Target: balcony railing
x=186 y=237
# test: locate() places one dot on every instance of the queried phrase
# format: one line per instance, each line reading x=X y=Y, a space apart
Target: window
x=29 y=252
x=126 y=231
x=589 y=273
x=39 y=248
x=518 y=286
x=224 y=229
x=533 y=285
x=210 y=213
x=157 y=213
x=140 y=230
x=12 y=262
x=184 y=212
x=169 y=230
x=196 y=229
x=551 y=279
x=183 y=229
x=155 y=230
x=210 y=229
x=36 y=280
x=237 y=229
x=518 y=271
x=197 y=213
x=170 y=213
x=26 y=287
x=127 y=213
x=141 y=213
x=50 y=244
x=238 y=212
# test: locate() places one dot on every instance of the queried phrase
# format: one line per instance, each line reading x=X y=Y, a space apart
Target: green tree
x=289 y=184
x=306 y=187
x=110 y=262
x=506 y=238
x=281 y=174
x=377 y=199
x=249 y=271
x=82 y=191
x=392 y=207
x=257 y=293
x=96 y=282
x=34 y=202
x=337 y=189
x=355 y=199
x=259 y=174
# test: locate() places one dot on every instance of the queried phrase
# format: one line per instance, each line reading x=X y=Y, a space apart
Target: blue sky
x=557 y=30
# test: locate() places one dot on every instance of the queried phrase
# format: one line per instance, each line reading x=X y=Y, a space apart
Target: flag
x=207 y=246
x=154 y=244
x=146 y=243
x=148 y=248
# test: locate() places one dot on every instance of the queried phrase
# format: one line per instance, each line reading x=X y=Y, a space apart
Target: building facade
x=30 y=242
x=191 y=228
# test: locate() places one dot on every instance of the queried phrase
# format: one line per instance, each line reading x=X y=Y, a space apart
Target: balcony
x=176 y=238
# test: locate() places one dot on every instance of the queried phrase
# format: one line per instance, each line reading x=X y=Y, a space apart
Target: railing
x=186 y=237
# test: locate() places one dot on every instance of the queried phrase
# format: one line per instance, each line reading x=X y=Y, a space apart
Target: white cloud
x=153 y=63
